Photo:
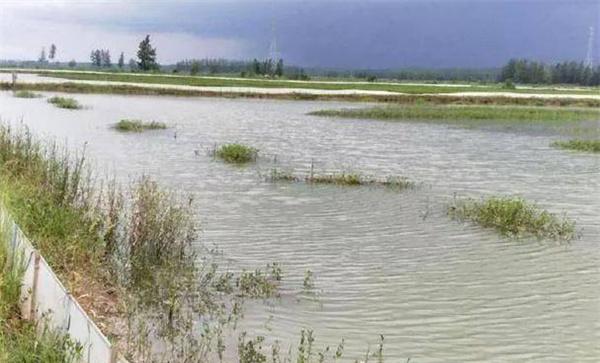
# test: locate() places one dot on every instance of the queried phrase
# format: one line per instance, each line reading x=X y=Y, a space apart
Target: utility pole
x=589 y=59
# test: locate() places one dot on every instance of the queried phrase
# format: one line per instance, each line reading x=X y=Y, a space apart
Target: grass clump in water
x=65 y=102
x=514 y=217
x=341 y=179
x=592 y=146
x=127 y=125
x=453 y=112
x=236 y=153
x=26 y=94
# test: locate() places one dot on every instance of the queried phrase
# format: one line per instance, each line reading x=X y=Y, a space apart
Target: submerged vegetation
x=126 y=254
x=65 y=102
x=128 y=125
x=235 y=153
x=514 y=217
x=342 y=179
x=26 y=94
x=592 y=146
x=444 y=113
x=123 y=252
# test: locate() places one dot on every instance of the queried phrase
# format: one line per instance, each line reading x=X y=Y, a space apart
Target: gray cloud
x=369 y=34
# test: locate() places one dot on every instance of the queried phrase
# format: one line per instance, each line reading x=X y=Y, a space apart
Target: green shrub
x=428 y=112
x=236 y=153
x=26 y=94
x=65 y=102
x=592 y=146
x=514 y=217
x=127 y=125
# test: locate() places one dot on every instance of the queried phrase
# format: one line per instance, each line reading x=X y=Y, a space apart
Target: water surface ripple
x=385 y=262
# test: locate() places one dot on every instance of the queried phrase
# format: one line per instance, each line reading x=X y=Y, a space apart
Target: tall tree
x=255 y=67
x=52 y=52
x=279 y=68
x=132 y=65
x=195 y=68
x=105 y=57
x=147 y=55
x=42 y=58
x=121 y=62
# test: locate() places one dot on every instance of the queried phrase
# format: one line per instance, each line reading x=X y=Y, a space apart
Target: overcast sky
x=347 y=34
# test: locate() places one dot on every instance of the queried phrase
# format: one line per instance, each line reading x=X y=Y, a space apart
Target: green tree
x=279 y=68
x=132 y=65
x=96 y=57
x=255 y=67
x=195 y=68
x=105 y=58
x=121 y=62
x=52 y=52
x=146 y=55
x=42 y=59
x=72 y=63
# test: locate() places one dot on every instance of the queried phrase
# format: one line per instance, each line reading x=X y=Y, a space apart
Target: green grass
x=592 y=146
x=26 y=94
x=65 y=102
x=87 y=233
x=443 y=99
x=514 y=217
x=127 y=125
x=262 y=83
x=236 y=153
x=341 y=179
x=19 y=339
x=469 y=113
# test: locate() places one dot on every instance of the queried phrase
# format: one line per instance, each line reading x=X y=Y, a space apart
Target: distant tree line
x=210 y=66
x=100 y=58
x=268 y=67
x=570 y=72
x=245 y=68
x=413 y=74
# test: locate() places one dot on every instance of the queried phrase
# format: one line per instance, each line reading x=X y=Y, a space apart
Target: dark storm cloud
x=369 y=34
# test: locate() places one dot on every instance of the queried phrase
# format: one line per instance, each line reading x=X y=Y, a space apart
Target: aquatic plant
x=342 y=179
x=251 y=350
x=26 y=94
x=309 y=281
x=259 y=283
x=65 y=102
x=128 y=125
x=236 y=153
x=592 y=146
x=139 y=237
x=513 y=217
x=472 y=113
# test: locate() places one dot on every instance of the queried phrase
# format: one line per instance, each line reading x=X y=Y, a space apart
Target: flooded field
x=384 y=262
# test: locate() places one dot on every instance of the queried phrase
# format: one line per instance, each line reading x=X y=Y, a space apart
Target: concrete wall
x=44 y=298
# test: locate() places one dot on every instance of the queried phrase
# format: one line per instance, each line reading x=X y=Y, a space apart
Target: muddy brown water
x=384 y=262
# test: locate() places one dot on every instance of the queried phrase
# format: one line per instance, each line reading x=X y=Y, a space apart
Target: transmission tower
x=589 y=59
x=273 y=51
